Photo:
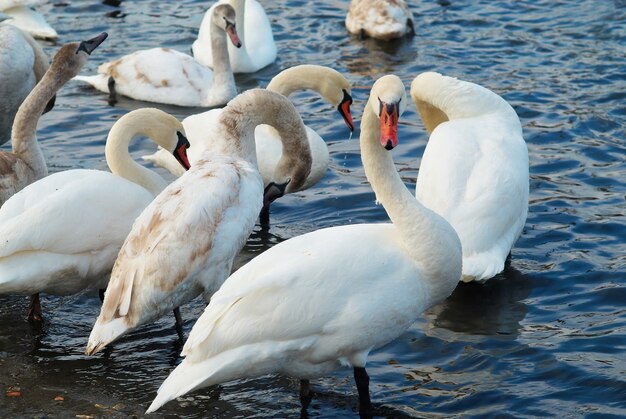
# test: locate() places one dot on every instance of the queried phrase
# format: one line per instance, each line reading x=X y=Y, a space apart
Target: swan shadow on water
x=493 y=308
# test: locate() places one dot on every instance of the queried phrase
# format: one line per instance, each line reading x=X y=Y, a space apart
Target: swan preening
x=474 y=171
x=380 y=19
x=22 y=65
x=163 y=75
x=255 y=32
x=26 y=162
x=184 y=243
x=324 y=299
x=329 y=83
x=23 y=16
x=62 y=234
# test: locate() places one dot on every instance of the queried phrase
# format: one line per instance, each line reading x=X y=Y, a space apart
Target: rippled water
x=547 y=338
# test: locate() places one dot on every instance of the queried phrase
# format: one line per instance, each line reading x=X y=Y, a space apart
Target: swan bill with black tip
x=344 y=109
x=273 y=191
x=180 y=152
x=389 y=114
x=231 y=30
x=91 y=44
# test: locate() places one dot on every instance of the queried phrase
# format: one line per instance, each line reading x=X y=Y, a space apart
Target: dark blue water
x=545 y=338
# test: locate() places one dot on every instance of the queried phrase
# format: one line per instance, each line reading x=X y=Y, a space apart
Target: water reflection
x=493 y=308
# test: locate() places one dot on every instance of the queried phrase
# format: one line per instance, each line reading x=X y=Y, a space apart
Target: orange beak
x=180 y=152
x=388 y=124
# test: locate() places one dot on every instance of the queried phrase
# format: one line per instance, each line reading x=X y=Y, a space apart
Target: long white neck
x=223 y=86
x=426 y=236
x=441 y=98
x=302 y=77
x=122 y=164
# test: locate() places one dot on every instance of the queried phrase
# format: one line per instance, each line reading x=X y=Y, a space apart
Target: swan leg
x=112 y=92
x=362 y=381
x=101 y=292
x=362 y=35
x=34 y=309
x=179 y=322
x=264 y=216
x=306 y=394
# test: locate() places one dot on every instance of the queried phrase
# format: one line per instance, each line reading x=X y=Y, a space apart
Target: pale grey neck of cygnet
x=223 y=21
x=258 y=106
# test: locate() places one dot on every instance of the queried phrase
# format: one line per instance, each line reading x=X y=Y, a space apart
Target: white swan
x=255 y=32
x=329 y=83
x=163 y=75
x=184 y=243
x=324 y=299
x=22 y=64
x=474 y=171
x=380 y=19
x=61 y=234
x=26 y=162
x=26 y=18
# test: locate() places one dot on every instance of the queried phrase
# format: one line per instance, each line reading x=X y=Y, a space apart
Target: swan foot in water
x=362 y=381
x=101 y=292
x=34 y=309
x=179 y=323
x=112 y=92
x=306 y=394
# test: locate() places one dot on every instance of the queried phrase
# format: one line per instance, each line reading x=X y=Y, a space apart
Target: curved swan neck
x=119 y=160
x=41 y=64
x=258 y=106
x=23 y=134
x=440 y=98
x=427 y=237
x=327 y=82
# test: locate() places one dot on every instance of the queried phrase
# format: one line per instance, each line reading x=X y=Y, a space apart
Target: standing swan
x=380 y=19
x=324 y=299
x=474 y=171
x=163 y=75
x=26 y=163
x=259 y=48
x=61 y=234
x=329 y=83
x=184 y=243
x=22 y=65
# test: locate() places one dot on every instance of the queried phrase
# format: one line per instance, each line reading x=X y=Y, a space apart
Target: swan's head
x=162 y=128
x=72 y=57
x=336 y=89
x=388 y=101
x=224 y=18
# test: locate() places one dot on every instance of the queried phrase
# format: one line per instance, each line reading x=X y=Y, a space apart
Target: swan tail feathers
x=104 y=333
x=99 y=81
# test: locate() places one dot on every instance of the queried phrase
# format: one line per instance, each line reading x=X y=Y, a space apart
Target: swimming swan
x=380 y=19
x=259 y=48
x=61 y=234
x=26 y=162
x=22 y=65
x=27 y=19
x=184 y=243
x=328 y=298
x=163 y=75
x=329 y=83
x=474 y=171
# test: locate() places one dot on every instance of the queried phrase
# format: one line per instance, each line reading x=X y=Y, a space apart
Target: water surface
x=545 y=338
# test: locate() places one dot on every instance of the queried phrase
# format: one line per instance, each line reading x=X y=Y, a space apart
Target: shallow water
x=546 y=338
